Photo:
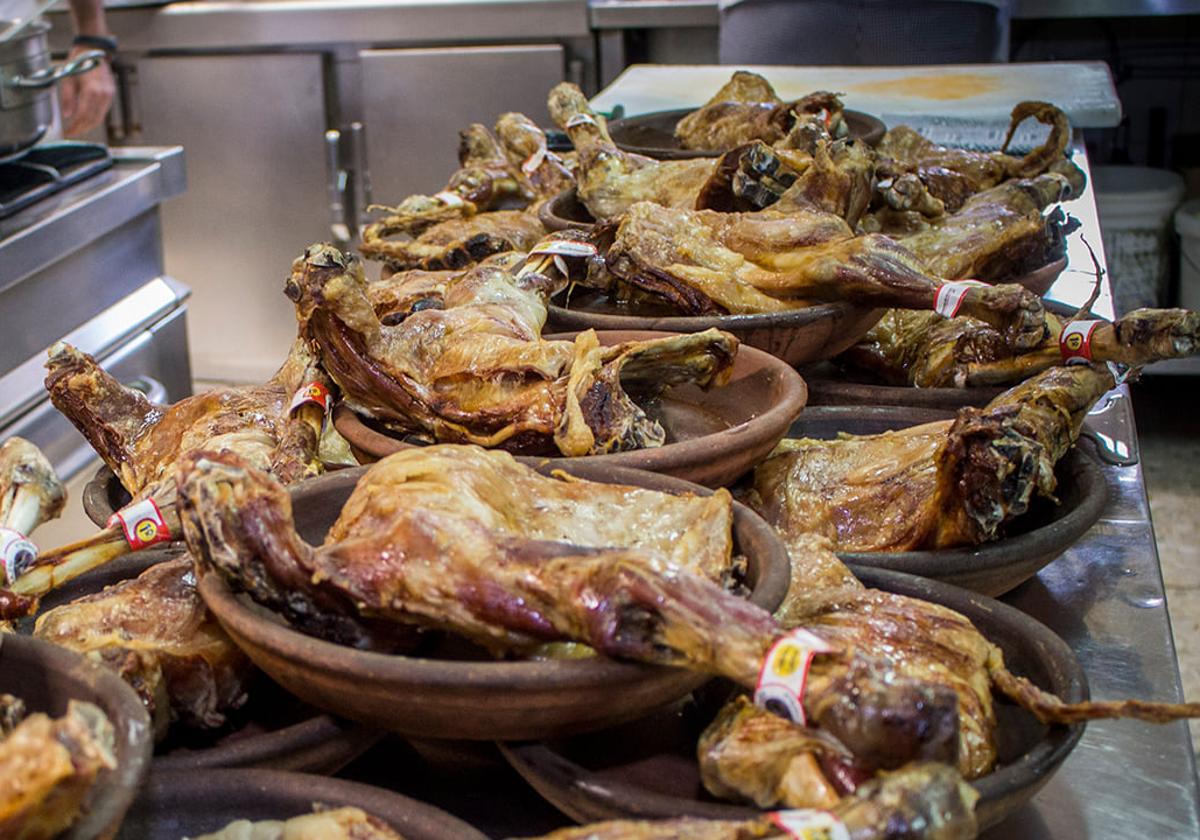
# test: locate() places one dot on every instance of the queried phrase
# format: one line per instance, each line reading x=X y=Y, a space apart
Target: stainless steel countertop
x=232 y=25
x=655 y=14
x=140 y=178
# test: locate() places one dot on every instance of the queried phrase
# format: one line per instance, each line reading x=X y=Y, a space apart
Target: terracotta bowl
x=653 y=135
x=46 y=677
x=471 y=696
x=1033 y=540
x=712 y=436
x=273 y=730
x=187 y=804
x=647 y=769
x=565 y=211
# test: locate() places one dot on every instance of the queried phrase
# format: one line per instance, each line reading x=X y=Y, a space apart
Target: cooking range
x=81 y=261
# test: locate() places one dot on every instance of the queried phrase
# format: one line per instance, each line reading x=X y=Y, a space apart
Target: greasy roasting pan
x=187 y=804
x=272 y=731
x=456 y=691
x=647 y=769
x=46 y=677
x=1033 y=540
x=653 y=135
x=713 y=436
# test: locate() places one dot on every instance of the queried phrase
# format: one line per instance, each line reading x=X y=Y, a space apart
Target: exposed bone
x=30 y=492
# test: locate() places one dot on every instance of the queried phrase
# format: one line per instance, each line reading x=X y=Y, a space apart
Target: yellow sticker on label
x=784 y=674
x=143 y=524
x=313 y=392
x=1075 y=342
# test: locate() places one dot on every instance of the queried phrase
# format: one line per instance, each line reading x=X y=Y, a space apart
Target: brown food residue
x=939 y=86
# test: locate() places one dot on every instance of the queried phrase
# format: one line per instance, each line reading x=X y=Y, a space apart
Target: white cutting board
x=978 y=92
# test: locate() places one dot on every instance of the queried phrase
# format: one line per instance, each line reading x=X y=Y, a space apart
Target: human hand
x=85 y=98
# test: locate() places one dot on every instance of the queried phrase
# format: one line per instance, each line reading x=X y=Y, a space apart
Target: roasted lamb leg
x=610 y=180
x=156 y=633
x=472 y=550
x=48 y=767
x=30 y=494
x=476 y=370
x=704 y=262
x=277 y=426
x=923 y=801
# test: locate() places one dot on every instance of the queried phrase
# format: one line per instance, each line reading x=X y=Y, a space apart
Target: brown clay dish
x=994 y=568
x=180 y=804
x=273 y=731
x=712 y=436
x=653 y=135
x=46 y=677
x=471 y=696
x=647 y=769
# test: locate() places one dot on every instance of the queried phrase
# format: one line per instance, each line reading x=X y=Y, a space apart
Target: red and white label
x=810 y=824
x=143 y=524
x=784 y=674
x=949 y=297
x=581 y=119
x=1075 y=341
x=535 y=160
x=564 y=248
x=313 y=392
x=16 y=555
x=450 y=199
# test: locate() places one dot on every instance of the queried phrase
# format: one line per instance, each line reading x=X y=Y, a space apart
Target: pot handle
x=55 y=73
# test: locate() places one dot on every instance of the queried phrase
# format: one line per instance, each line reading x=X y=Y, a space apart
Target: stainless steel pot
x=27 y=80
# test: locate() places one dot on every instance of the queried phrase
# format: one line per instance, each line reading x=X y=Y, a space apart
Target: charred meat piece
x=476 y=370
x=48 y=767
x=323 y=824
x=610 y=180
x=923 y=801
x=156 y=633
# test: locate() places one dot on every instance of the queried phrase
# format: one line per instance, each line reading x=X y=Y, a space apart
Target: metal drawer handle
x=56 y=72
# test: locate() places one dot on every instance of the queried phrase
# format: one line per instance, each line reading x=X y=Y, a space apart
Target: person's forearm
x=89 y=17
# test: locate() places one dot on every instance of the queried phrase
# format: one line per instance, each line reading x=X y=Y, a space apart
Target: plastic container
x=1135 y=205
x=1187 y=225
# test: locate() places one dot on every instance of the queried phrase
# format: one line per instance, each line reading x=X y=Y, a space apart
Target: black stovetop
x=45 y=170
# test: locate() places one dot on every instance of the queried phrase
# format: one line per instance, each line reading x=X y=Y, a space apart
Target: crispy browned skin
x=476 y=370
x=951 y=176
x=47 y=769
x=323 y=824
x=610 y=180
x=141 y=442
x=459 y=242
x=919 y=802
x=157 y=634
x=703 y=262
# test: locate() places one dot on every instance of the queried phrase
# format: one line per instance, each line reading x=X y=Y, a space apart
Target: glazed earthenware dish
x=455 y=691
x=653 y=135
x=273 y=730
x=647 y=768
x=46 y=677
x=713 y=436
x=1032 y=541
x=179 y=804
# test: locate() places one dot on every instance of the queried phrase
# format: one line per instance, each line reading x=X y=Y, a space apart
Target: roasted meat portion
x=323 y=824
x=936 y=485
x=747 y=109
x=483 y=208
x=476 y=370
x=157 y=634
x=510 y=560
x=610 y=180
x=48 y=767
x=925 y=350
x=30 y=494
x=951 y=176
x=923 y=801
x=704 y=262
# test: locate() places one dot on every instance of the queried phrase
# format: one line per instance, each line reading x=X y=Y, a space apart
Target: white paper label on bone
x=784 y=674
x=581 y=119
x=16 y=554
x=810 y=824
x=1075 y=341
x=949 y=297
x=564 y=248
x=143 y=524
x=449 y=199
x=535 y=160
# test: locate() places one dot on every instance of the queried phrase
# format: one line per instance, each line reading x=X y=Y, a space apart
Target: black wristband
x=98 y=42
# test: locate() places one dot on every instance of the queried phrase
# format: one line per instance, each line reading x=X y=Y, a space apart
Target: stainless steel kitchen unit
x=85 y=266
